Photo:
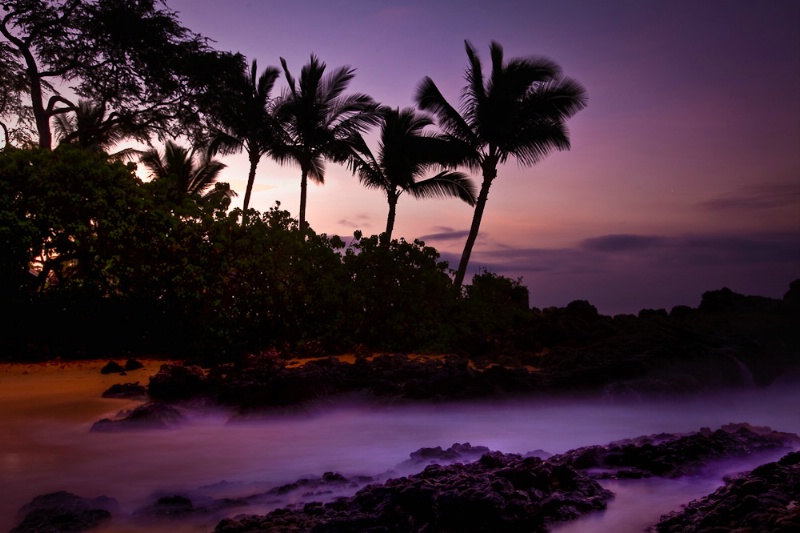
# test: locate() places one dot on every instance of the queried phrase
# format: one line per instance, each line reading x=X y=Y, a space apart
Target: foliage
x=181 y=172
x=244 y=119
x=518 y=112
x=405 y=155
x=132 y=57
x=400 y=293
x=319 y=121
x=16 y=119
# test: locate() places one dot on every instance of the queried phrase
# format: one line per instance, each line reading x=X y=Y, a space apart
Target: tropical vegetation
x=519 y=111
x=98 y=254
x=405 y=154
x=319 y=120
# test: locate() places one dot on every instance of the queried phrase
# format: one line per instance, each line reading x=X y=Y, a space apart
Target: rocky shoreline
x=470 y=489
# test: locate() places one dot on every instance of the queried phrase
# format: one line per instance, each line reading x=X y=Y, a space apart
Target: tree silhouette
x=319 y=121
x=519 y=112
x=247 y=121
x=184 y=173
x=405 y=155
x=134 y=56
x=90 y=128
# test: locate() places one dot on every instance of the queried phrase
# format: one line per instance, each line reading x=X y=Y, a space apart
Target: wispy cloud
x=622 y=243
x=358 y=222
x=757 y=197
x=446 y=234
x=615 y=252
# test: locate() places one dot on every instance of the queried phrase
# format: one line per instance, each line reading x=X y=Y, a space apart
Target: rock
x=125 y=391
x=455 y=453
x=499 y=492
x=672 y=456
x=764 y=499
x=112 y=368
x=133 y=364
x=177 y=382
x=171 y=507
x=155 y=415
x=64 y=512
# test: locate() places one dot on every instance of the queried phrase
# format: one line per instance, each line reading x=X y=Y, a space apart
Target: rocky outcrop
x=64 y=512
x=498 y=492
x=155 y=415
x=175 y=382
x=112 y=367
x=674 y=455
x=764 y=499
x=128 y=391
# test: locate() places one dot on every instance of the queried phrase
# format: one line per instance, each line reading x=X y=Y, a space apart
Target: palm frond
x=446 y=184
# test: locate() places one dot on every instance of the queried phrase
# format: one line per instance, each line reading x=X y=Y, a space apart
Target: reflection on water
x=49 y=447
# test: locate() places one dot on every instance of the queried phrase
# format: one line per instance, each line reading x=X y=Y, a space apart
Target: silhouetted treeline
x=97 y=263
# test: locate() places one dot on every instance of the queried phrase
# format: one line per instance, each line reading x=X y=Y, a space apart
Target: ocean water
x=47 y=445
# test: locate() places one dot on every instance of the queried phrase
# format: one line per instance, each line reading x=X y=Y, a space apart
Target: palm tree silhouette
x=406 y=154
x=89 y=127
x=248 y=123
x=185 y=173
x=518 y=111
x=319 y=121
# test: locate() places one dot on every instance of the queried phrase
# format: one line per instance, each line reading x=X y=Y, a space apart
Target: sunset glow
x=684 y=172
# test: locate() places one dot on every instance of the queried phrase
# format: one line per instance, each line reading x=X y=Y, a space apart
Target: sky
x=684 y=170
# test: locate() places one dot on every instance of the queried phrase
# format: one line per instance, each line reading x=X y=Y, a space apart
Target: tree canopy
x=132 y=57
x=518 y=111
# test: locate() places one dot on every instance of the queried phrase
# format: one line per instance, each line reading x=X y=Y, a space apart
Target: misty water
x=47 y=445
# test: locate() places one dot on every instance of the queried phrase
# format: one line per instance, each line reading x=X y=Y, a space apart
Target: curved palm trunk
x=251 y=178
x=390 y=219
x=489 y=174
x=303 y=194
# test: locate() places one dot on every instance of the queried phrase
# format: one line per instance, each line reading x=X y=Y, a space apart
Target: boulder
x=64 y=512
x=154 y=415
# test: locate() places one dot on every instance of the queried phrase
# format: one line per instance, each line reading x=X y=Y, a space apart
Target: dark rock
x=155 y=415
x=499 y=492
x=64 y=512
x=765 y=499
x=112 y=367
x=177 y=382
x=126 y=391
x=455 y=453
x=133 y=364
x=674 y=455
x=171 y=507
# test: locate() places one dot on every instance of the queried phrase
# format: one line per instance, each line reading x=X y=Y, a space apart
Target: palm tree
x=248 y=122
x=90 y=128
x=185 y=173
x=518 y=111
x=319 y=121
x=406 y=154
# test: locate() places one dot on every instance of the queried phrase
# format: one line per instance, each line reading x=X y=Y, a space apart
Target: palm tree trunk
x=489 y=173
x=251 y=178
x=303 y=193
x=390 y=218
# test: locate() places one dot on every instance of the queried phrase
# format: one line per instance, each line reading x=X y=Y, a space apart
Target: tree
x=319 y=121
x=16 y=119
x=131 y=56
x=406 y=154
x=184 y=174
x=246 y=121
x=90 y=128
x=519 y=112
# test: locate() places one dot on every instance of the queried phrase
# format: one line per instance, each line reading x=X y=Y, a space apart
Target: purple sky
x=684 y=173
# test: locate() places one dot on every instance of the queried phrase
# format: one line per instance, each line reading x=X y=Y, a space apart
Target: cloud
x=621 y=243
x=757 y=197
x=448 y=234
x=360 y=221
x=628 y=251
